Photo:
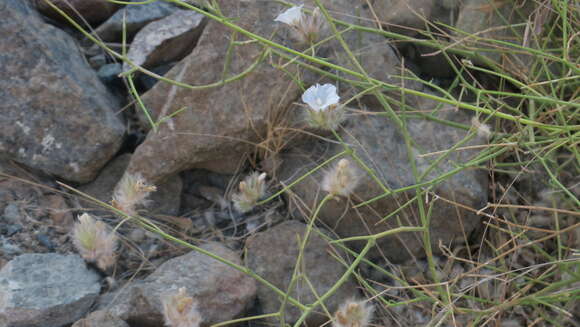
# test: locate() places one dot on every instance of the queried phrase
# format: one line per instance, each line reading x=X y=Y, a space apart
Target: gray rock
x=8 y=247
x=223 y=292
x=380 y=145
x=13 y=229
x=45 y=241
x=109 y=73
x=402 y=16
x=195 y=134
x=100 y=319
x=10 y=168
x=166 y=200
x=49 y=290
x=38 y=220
x=91 y=11
x=477 y=16
x=136 y=16
x=98 y=61
x=56 y=114
x=12 y=213
x=221 y=123
x=166 y=40
x=147 y=82
x=410 y=17
x=272 y=254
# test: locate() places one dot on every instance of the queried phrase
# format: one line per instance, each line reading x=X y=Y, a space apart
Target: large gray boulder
x=49 y=290
x=56 y=114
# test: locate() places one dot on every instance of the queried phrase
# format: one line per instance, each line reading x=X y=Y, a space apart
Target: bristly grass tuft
x=180 y=310
x=251 y=190
x=94 y=241
x=131 y=192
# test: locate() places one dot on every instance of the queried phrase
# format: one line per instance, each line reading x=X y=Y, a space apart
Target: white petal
x=311 y=97
x=320 y=97
x=327 y=93
x=291 y=16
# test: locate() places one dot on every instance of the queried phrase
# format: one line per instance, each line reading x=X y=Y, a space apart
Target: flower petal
x=290 y=16
x=319 y=97
x=311 y=97
x=328 y=95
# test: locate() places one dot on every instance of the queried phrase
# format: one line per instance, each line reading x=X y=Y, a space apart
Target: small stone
x=166 y=40
x=8 y=247
x=49 y=290
x=109 y=74
x=13 y=229
x=45 y=241
x=12 y=213
x=98 y=61
x=135 y=17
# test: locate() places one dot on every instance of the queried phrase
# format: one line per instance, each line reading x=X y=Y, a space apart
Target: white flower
x=319 y=97
x=323 y=109
x=292 y=16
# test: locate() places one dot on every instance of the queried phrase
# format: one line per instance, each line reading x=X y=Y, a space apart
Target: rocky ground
x=72 y=128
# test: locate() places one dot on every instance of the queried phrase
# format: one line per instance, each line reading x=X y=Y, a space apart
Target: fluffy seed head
x=310 y=28
x=180 y=310
x=131 y=191
x=328 y=119
x=353 y=314
x=483 y=130
x=342 y=179
x=94 y=241
x=251 y=190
